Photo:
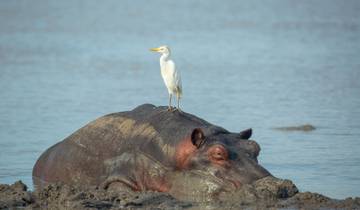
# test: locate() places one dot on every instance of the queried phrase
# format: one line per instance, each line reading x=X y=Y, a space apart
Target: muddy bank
x=263 y=194
x=59 y=196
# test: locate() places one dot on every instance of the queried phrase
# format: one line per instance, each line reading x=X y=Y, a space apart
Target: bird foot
x=175 y=109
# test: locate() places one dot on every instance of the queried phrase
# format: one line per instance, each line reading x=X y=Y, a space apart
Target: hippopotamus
x=150 y=148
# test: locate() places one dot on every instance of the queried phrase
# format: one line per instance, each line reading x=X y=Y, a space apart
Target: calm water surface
x=244 y=64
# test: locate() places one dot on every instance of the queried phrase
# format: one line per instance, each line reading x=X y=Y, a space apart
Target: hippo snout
x=254 y=147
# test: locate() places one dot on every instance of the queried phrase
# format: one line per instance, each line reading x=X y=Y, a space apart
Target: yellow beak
x=155 y=49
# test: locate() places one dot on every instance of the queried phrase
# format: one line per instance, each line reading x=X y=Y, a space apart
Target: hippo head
x=217 y=163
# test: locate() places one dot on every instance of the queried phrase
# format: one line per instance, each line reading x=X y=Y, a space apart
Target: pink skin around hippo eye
x=218 y=155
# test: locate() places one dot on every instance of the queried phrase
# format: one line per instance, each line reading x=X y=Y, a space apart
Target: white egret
x=170 y=74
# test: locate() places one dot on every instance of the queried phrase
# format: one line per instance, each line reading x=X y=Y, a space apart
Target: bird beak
x=155 y=49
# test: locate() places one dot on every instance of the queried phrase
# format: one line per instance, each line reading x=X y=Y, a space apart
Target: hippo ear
x=197 y=137
x=245 y=134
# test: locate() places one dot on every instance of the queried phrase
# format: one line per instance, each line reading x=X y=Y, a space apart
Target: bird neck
x=164 y=57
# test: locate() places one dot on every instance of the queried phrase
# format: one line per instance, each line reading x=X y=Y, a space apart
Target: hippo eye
x=218 y=153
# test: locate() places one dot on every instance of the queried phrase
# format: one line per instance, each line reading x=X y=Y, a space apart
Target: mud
x=266 y=193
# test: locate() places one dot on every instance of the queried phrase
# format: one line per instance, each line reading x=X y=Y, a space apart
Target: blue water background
x=259 y=64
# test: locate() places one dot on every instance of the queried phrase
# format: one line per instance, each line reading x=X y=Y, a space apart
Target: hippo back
x=91 y=154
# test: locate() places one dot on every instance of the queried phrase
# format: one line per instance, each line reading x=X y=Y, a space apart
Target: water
x=244 y=64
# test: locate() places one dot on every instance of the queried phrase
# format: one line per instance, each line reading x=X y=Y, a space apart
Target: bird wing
x=175 y=76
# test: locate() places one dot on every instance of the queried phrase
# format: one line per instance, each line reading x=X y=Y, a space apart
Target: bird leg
x=178 y=102
x=170 y=108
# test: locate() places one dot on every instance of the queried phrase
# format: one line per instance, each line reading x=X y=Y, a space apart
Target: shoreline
x=61 y=196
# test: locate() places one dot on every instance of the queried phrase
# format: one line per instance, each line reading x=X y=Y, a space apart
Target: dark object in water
x=305 y=127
